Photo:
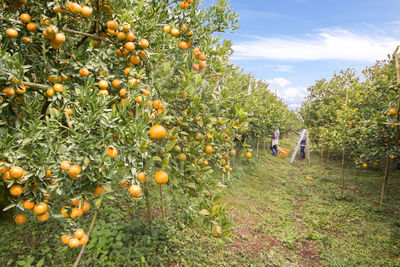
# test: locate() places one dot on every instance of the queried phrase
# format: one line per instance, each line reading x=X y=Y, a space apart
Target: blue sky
x=293 y=43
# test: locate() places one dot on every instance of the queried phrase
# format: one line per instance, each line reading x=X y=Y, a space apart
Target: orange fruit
x=65 y=165
x=31 y=27
x=25 y=18
x=166 y=28
x=208 y=149
x=40 y=208
x=3 y=169
x=365 y=165
x=12 y=33
x=202 y=57
x=196 y=67
x=158 y=132
x=144 y=43
x=65 y=239
x=16 y=172
x=130 y=37
x=182 y=157
x=124 y=183
x=20 y=218
x=69 y=111
x=75 y=212
x=85 y=206
x=99 y=190
x=103 y=92
x=133 y=82
x=393 y=111
x=16 y=190
x=135 y=190
x=28 y=204
x=112 y=25
x=64 y=212
x=74 y=171
x=202 y=64
x=248 y=155
x=183 y=45
x=58 y=87
x=79 y=233
x=130 y=46
x=121 y=36
x=175 y=32
x=141 y=176
x=50 y=92
x=86 y=11
x=232 y=152
x=123 y=92
x=196 y=52
x=134 y=59
x=126 y=27
x=112 y=152
x=59 y=38
x=161 y=177
x=84 y=239
x=9 y=91
x=103 y=84
x=84 y=72
x=73 y=242
x=74 y=7
x=43 y=217
x=142 y=54
x=157 y=104
x=116 y=83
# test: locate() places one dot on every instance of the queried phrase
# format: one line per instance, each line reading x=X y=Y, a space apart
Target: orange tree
x=360 y=117
x=104 y=93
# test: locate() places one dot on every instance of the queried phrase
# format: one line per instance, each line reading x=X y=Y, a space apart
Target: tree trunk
x=343 y=173
x=385 y=179
x=162 y=202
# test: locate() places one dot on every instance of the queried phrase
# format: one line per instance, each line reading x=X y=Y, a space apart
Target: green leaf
x=171 y=145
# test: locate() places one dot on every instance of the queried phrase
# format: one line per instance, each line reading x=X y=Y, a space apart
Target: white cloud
x=325 y=44
x=292 y=95
x=279 y=82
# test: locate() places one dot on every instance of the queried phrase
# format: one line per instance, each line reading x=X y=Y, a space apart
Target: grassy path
x=284 y=218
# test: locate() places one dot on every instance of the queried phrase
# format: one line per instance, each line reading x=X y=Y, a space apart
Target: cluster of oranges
x=40 y=209
x=202 y=60
x=78 y=238
x=74 y=171
x=77 y=209
x=186 y=4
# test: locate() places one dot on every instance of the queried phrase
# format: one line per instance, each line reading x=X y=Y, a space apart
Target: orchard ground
x=284 y=214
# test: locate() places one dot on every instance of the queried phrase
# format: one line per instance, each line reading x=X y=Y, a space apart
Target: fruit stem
x=78 y=259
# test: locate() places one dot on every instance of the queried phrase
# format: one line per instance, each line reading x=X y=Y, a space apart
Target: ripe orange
x=28 y=204
x=64 y=212
x=103 y=84
x=183 y=45
x=79 y=233
x=232 y=152
x=123 y=92
x=121 y=36
x=196 y=67
x=40 y=208
x=86 y=11
x=65 y=239
x=208 y=149
x=124 y=183
x=182 y=157
x=202 y=64
x=31 y=27
x=393 y=111
x=25 y=18
x=135 y=190
x=74 y=7
x=65 y=165
x=3 y=169
x=74 y=171
x=161 y=177
x=84 y=72
x=134 y=59
x=103 y=92
x=112 y=25
x=116 y=83
x=196 y=52
x=141 y=176
x=365 y=165
x=99 y=190
x=26 y=39
x=130 y=37
x=12 y=33
x=73 y=242
x=175 y=32
x=167 y=28
x=144 y=43
x=59 y=38
x=9 y=91
x=133 y=82
x=157 y=104
x=248 y=155
x=202 y=57
x=43 y=217
x=126 y=27
x=69 y=111
x=142 y=54
x=75 y=212
x=16 y=190
x=20 y=218
x=16 y=172
x=112 y=152
x=158 y=132
x=84 y=239
x=130 y=46
x=58 y=87
x=50 y=92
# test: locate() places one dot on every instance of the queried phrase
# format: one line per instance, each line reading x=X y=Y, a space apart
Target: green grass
x=281 y=219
